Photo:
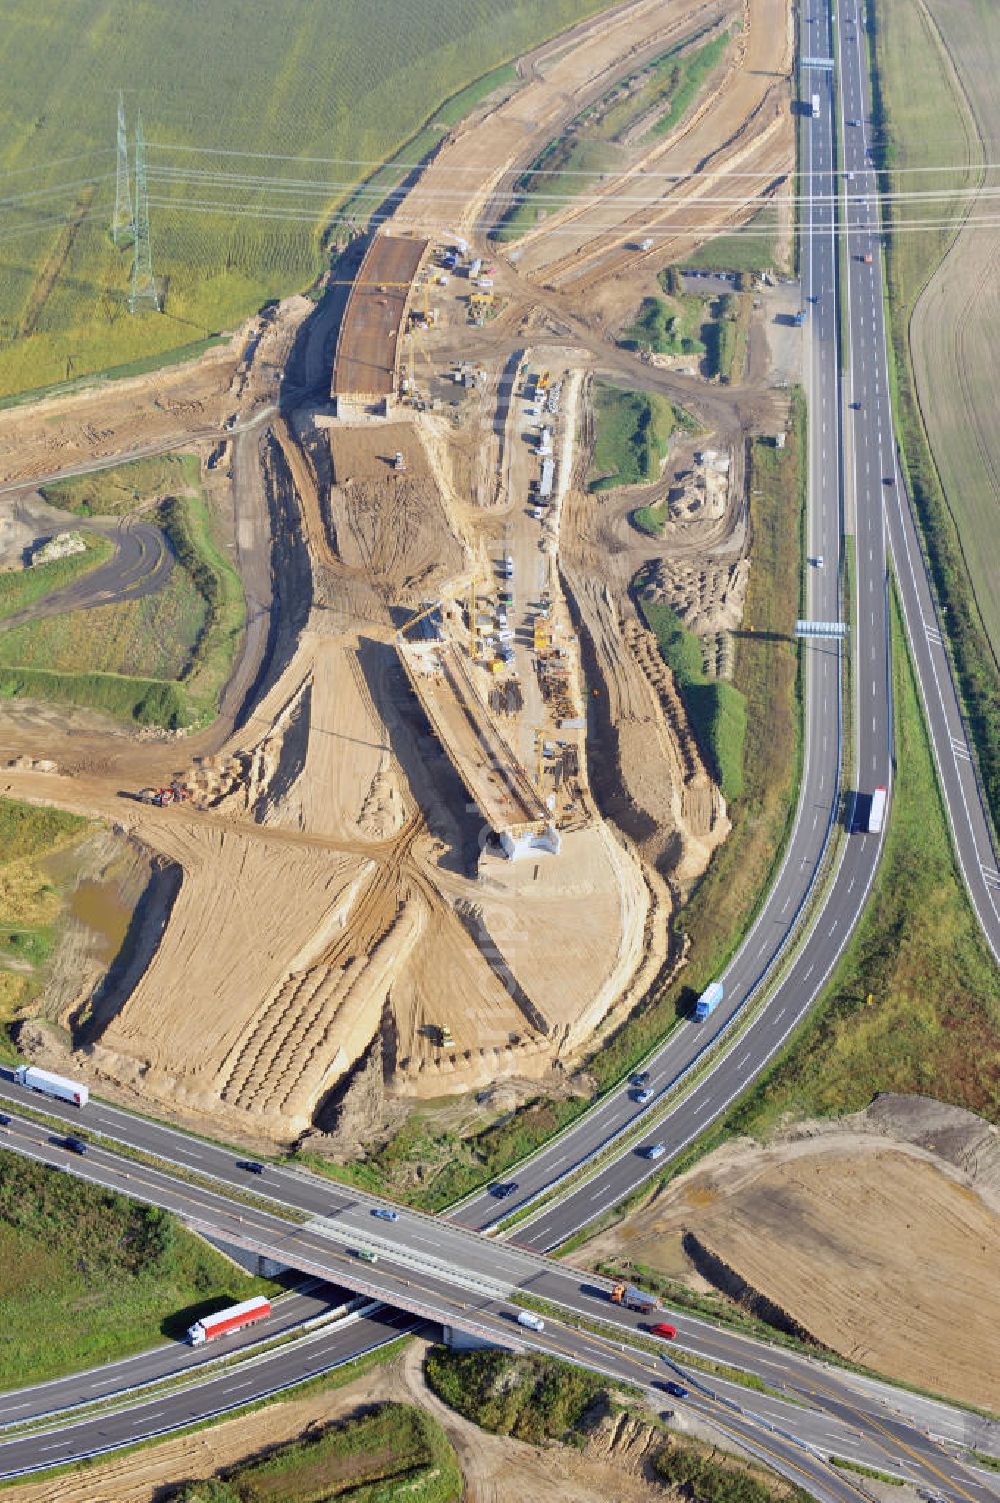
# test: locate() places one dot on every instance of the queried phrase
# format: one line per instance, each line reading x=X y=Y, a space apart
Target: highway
x=444 y=1271
x=871 y=433
x=451 y=1276
x=821 y=799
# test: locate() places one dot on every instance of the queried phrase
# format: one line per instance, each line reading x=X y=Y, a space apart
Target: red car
x=663 y=1330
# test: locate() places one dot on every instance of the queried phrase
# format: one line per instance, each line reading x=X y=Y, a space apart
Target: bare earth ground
x=876 y=1233
x=324 y=868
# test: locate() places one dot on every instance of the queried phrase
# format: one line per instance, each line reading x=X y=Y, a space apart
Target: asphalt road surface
x=868 y=416
x=451 y=1276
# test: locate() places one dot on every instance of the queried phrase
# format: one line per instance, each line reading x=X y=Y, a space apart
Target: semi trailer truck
x=56 y=1086
x=631 y=1298
x=233 y=1318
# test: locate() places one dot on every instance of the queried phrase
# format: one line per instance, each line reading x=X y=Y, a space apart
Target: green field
x=751 y=248
x=921 y=124
x=260 y=121
x=386 y=1453
x=658 y=96
x=30 y=904
x=633 y=430
x=914 y=1005
x=91 y=1276
x=25 y=587
x=116 y=491
x=161 y=659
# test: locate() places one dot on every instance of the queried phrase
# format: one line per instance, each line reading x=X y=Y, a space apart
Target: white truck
x=57 y=1086
x=876 y=811
x=815 y=106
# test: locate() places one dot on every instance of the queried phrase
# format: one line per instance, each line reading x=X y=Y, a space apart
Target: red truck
x=233 y=1318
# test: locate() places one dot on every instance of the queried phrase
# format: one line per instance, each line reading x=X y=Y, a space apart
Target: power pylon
x=143 y=293
x=122 y=224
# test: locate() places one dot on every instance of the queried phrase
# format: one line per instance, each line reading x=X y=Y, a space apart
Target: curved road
x=437 y=1266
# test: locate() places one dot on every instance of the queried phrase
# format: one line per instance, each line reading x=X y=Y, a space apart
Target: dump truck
x=708 y=1001
x=56 y=1086
x=232 y=1318
x=631 y=1298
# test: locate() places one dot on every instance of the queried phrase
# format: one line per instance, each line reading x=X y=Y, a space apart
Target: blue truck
x=708 y=1001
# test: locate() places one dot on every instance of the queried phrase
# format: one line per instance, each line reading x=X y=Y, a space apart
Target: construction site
x=452 y=754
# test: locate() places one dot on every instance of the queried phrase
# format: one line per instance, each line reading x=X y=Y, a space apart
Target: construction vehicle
x=176 y=793
x=631 y=1298
x=399 y=463
x=445 y=1039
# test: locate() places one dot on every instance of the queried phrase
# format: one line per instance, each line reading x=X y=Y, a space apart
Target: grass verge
x=90 y=1276
x=26 y=587
x=914 y=1004
x=917 y=120
x=114 y=492
x=390 y=1451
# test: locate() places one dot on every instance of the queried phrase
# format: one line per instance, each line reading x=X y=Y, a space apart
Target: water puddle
x=99 y=906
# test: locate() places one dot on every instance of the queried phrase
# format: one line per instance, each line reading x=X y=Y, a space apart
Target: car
x=250 y=1165
x=855 y=406
x=654 y=1151
x=888 y=480
x=640 y=1077
x=384 y=1214
x=641 y=1097
x=502 y=1191
x=5 y=1121
x=668 y=1332
x=75 y=1145
x=854 y=122
x=676 y=1390
x=366 y=1255
x=817 y=562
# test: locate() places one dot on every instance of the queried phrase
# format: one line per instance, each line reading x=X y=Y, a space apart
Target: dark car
x=75 y=1145
x=502 y=1191
x=250 y=1165
x=5 y=1121
x=676 y=1390
x=640 y=1077
x=384 y=1214
x=856 y=406
x=889 y=480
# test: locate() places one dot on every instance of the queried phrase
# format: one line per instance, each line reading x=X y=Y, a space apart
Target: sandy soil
x=331 y=788
x=742 y=125
x=876 y=1234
